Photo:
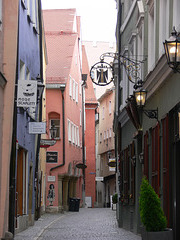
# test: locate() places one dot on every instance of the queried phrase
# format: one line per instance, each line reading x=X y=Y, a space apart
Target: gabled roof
x=90 y=97
x=107 y=92
x=59 y=20
x=60 y=40
x=60 y=52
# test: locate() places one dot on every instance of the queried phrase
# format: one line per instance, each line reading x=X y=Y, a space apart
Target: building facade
x=90 y=158
x=8 y=55
x=63 y=108
x=29 y=82
x=106 y=149
x=147 y=146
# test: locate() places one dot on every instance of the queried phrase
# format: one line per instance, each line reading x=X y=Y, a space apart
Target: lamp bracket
x=153 y=114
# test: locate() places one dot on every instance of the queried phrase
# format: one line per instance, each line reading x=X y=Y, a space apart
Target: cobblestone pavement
x=90 y=224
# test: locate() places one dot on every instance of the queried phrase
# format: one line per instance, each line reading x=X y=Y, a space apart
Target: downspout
x=37 y=215
x=13 y=159
x=63 y=121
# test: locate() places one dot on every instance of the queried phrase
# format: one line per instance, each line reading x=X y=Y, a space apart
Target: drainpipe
x=63 y=119
x=37 y=206
x=13 y=159
x=118 y=136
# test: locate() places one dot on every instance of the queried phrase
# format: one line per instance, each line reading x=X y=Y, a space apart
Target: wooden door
x=19 y=184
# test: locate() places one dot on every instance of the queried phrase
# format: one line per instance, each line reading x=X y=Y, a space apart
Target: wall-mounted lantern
x=172 y=50
x=53 y=131
x=140 y=96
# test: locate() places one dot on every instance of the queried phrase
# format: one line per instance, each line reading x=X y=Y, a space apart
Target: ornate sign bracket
x=102 y=73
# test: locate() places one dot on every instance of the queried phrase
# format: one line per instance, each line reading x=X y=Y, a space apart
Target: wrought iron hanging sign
x=101 y=73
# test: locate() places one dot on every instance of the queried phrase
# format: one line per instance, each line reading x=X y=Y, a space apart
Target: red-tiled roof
x=60 y=51
x=89 y=91
x=60 y=41
x=59 y=19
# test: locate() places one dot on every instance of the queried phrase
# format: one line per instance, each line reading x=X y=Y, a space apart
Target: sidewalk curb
x=41 y=232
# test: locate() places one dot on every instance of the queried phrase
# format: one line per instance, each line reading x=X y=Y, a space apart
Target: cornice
x=157 y=77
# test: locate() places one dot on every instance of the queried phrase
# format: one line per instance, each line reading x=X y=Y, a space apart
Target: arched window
x=54 y=120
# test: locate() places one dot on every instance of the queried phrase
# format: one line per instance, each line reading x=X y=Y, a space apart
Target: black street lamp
x=140 y=96
x=172 y=50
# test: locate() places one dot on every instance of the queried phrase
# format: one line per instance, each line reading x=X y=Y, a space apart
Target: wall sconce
x=140 y=96
x=172 y=50
x=133 y=161
x=141 y=158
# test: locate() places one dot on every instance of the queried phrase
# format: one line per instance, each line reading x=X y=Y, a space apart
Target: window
x=110 y=133
x=107 y=134
x=103 y=113
x=80 y=90
x=76 y=92
x=35 y=19
x=74 y=89
x=132 y=54
x=176 y=11
x=140 y=44
x=109 y=107
x=69 y=131
x=72 y=132
x=124 y=83
x=78 y=143
x=104 y=135
x=75 y=135
x=100 y=138
x=70 y=86
x=56 y=123
x=163 y=24
x=151 y=36
x=80 y=119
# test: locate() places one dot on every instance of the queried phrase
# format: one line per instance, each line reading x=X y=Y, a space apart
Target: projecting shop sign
x=37 y=127
x=27 y=93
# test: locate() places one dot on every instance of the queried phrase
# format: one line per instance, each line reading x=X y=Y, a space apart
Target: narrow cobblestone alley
x=97 y=223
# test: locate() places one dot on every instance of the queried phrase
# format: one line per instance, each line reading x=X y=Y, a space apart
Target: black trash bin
x=74 y=204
